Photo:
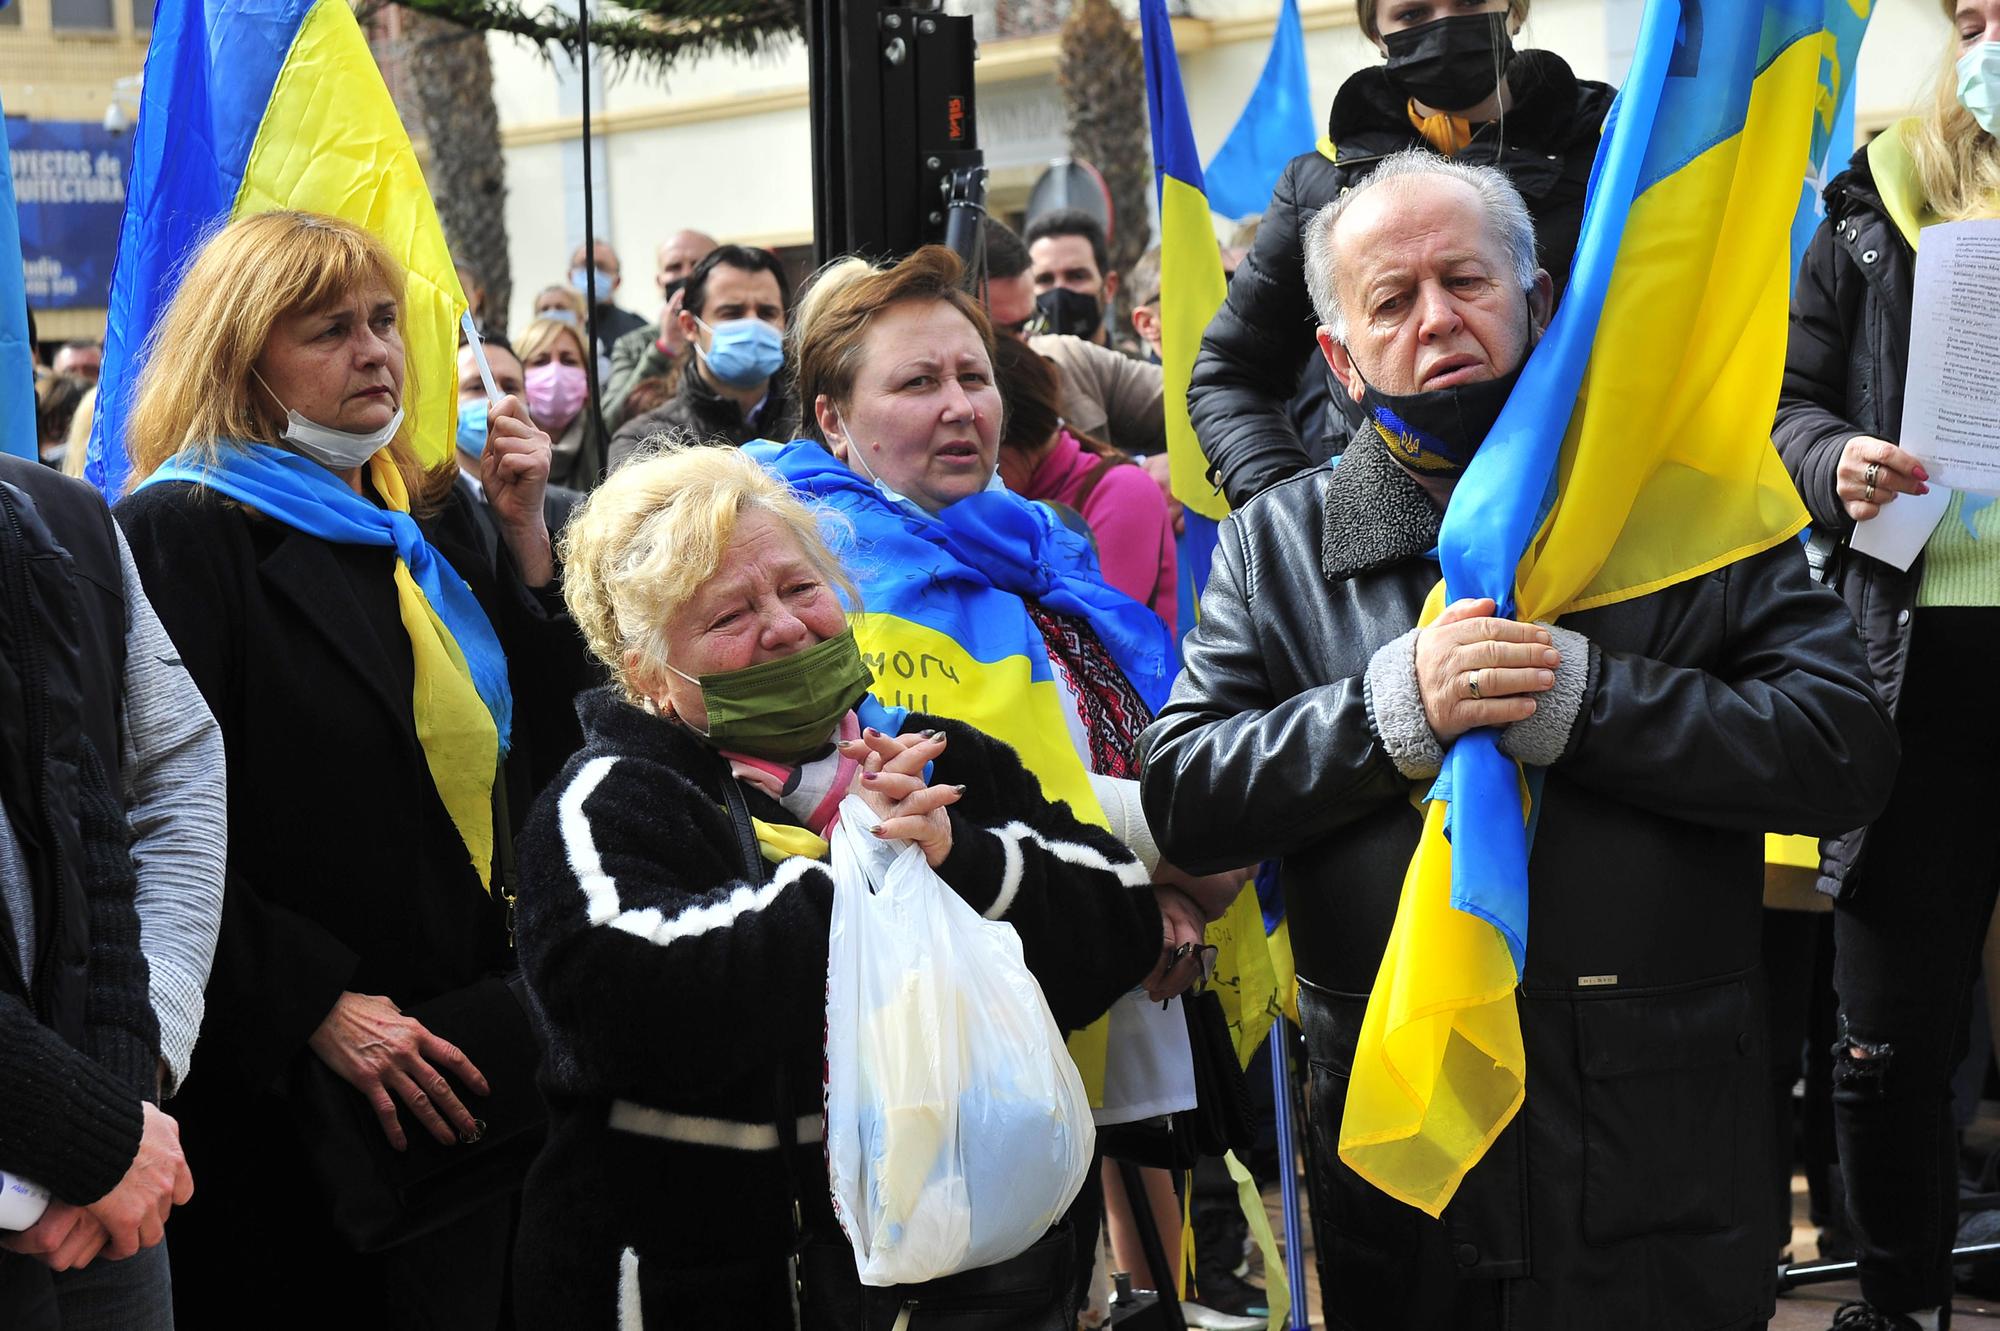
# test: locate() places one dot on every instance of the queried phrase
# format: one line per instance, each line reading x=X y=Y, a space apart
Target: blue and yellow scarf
x=462 y=703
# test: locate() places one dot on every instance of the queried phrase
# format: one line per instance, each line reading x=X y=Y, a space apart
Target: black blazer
x=345 y=871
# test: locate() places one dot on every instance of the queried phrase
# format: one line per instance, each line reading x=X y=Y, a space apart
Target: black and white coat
x=677 y=994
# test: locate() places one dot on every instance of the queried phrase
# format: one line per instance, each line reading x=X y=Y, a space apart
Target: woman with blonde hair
x=675 y=906
x=379 y=687
x=557 y=387
x=1914 y=892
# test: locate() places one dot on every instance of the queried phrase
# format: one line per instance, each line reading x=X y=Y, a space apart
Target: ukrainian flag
x=942 y=636
x=252 y=105
x=1191 y=291
x=1669 y=347
x=18 y=427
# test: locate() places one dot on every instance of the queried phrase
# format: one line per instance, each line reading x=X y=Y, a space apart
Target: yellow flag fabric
x=460 y=741
x=1665 y=473
x=1191 y=291
x=331 y=142
x=1245 y=980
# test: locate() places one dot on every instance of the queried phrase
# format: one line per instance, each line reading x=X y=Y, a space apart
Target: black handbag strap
x=746 y=831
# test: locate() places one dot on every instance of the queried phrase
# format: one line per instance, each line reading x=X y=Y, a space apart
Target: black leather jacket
x=1844 y=370
x=1261 y=340
x=1714 y=711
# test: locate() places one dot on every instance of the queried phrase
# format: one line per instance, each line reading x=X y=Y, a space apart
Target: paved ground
x=1806 y=1309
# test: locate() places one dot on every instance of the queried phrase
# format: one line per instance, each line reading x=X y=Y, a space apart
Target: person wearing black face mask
x=1660 y=736
x=1451 y=83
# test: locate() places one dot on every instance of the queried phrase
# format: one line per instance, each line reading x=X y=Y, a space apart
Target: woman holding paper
x=1915 y=892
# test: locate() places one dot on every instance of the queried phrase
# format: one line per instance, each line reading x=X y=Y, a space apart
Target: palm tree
x=1102 y=74
x=441 y=76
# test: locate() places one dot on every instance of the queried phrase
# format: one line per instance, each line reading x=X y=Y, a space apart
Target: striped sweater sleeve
x=175 y=798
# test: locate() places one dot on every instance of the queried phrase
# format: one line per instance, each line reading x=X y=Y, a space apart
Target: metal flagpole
x=1288 y=1184
x=589 y=222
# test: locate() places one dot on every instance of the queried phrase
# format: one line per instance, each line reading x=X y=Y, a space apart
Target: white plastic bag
x=957 y=1128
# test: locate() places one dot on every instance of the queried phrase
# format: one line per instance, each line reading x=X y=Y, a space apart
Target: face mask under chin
x=1435 y=434
x=336 y=450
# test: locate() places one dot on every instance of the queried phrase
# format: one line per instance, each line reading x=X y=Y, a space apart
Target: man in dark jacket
x=79 y=1041
x=1539 y=125
x=1675 y=729
x=737 y=386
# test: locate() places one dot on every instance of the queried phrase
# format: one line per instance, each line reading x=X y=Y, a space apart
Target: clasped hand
x=891 y=781
x=133 y=1215
x=1475 y=669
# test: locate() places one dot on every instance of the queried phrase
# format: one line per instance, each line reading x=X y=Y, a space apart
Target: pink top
x=1128 y=516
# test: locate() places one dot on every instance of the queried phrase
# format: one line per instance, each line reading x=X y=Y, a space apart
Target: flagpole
x=1288 y=1179
x=589 y=221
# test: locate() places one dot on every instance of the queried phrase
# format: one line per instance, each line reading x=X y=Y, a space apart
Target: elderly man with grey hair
x=1671 y=731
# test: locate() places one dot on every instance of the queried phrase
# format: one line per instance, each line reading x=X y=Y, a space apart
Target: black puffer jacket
x=1262 y=338
x=1711 y=711
x=1844 y=369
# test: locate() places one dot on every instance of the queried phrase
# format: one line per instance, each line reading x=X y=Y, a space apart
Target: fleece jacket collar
x=1375 y=513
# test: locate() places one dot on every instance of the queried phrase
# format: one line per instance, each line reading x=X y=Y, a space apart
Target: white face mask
x=336 y=450
x=855 y=459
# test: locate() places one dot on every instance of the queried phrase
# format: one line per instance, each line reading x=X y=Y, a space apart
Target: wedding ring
x=1868 y=476
x=1472 y=683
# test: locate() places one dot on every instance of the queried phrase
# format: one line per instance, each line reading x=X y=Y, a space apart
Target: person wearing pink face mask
x=558 y=392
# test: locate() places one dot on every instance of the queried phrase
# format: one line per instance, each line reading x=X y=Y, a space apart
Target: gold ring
x=1472 y=683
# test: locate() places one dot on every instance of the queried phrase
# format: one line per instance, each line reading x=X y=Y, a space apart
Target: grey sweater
x=176 y=799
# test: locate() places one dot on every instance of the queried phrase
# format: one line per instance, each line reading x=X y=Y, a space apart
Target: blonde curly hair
x=654 y=532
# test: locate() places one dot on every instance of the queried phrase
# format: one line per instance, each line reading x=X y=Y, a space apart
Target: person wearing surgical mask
x=383 y=690
x=594 y=273
x=474 y=413
x=735 y=385
x=1914 y=891
x=557 y=388
x=1451 y=82
x=904 y=431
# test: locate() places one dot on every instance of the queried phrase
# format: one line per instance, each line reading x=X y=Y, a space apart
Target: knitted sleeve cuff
x=1544 y=737
x=78 y=1124
x=1126 y=817
x=1396 y=709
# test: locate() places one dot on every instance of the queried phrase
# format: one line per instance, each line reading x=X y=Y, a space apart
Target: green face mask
x=784 y=710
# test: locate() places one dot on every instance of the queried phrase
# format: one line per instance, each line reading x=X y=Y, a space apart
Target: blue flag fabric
x=1277 y=125
x=199 y=113
x=17 y=358
x=300 y=493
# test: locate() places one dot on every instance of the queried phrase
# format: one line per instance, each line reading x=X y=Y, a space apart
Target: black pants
x=1798 y=977
x=1907 y=943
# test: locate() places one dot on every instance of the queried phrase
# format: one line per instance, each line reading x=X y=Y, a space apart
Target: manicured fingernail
x=1921 y=474
x=869 y=776
x=959 y=789
x=928 y=734
x=877 y=830
x=1924 y=490
x=871 y=732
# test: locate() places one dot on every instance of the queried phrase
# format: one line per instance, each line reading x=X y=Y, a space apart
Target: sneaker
x=1866 y=1317
x=1208 y=1319
x=1227 y=1293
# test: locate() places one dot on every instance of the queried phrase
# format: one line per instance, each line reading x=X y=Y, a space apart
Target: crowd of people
x=467 y=826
